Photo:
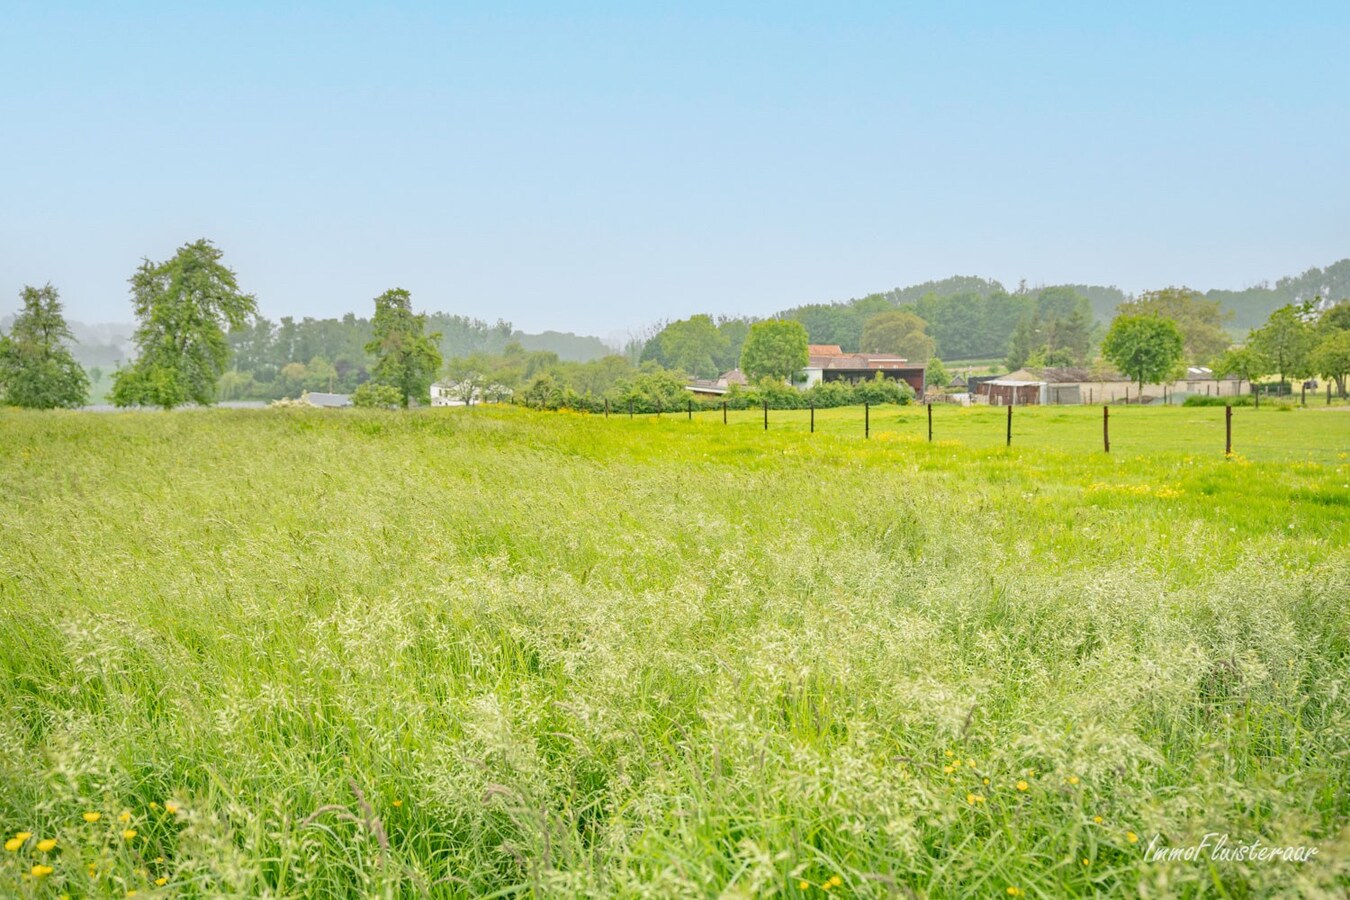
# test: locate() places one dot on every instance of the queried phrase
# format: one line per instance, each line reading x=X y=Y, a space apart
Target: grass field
x=495 y=652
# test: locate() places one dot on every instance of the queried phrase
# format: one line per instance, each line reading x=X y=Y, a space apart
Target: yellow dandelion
x=947 y=770
x=124 y=816
x=128 y=834
x=398 y=803
x=1073 y=779
x=131 y=893
x=17 y=841
x=154 y=805
x=170 y=807
x=986 y=781
x=1131 y=837
x=1031 y=773
x=949 y=754
x=1014 y=891
x=803 y=884
x=971 y=763
x=1086 y=861
x=47 y=845
x=970 y=798
x=1097 y=819
x=159 y=860
x=956 y=764
x=41 y=871
x=1022 y=785
x=835 y=881
x=162 y=880
x=92 y=816
x=93 y=870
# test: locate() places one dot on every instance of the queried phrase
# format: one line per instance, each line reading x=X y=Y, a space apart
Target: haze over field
x=596 y=169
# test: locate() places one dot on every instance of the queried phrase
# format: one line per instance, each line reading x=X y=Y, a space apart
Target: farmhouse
x=718 y=386
x=828 y=362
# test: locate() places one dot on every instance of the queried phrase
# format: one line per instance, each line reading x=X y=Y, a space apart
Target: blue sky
x=595 y=167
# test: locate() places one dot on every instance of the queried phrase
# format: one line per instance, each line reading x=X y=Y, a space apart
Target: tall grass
x=487 y=652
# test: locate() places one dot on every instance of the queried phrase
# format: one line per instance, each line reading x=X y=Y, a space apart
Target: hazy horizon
x=600 y=169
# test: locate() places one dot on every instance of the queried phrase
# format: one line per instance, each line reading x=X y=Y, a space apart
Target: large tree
x=694 y=345
x=1331 y=358
x=774 y=349
x=406 y=357
x=1201 y=321
x=1286 y=340
x=1147 y=349
x=184 y=307
x=898 y=332
x=37 y=370
x=1244 y=362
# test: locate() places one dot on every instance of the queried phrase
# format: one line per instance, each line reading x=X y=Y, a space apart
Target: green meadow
x=495 y=652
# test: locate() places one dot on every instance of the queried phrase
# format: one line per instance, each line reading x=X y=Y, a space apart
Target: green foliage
x=881 y=390
x=774 y=349
x=936 y=374
x=183 y=307
x=406 y=357
x=1331 y=358
x=695 y=345
x=898 y=332
x=1146 y=349
x=1200 y=320
x=1286 y=340
x=37 y=370
x=1247 y=363
x=830 y=323
x=1202 y=400
x=372 y=395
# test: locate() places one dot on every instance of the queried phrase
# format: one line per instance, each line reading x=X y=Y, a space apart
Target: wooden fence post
x=813 y=416
x=1010 y=425
x=1228 y=429
x=606 y=407
x=1106 y=427
x=724 y=412
x=930 y=421
x=867 y=419
x=766 y=415
x=690 y=402
x=1303 y=395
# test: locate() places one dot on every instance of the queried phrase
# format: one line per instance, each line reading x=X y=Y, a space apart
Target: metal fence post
x=1228 y=429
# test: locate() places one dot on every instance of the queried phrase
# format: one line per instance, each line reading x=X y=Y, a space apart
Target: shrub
x=377 y=396
x=1200 y=400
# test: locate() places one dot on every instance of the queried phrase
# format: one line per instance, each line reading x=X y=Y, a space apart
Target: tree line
x=199 y=339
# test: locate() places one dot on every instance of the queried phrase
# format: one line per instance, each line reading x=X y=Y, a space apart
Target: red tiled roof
x=873 y=361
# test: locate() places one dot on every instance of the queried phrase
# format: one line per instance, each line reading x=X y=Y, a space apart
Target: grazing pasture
x=497 y=652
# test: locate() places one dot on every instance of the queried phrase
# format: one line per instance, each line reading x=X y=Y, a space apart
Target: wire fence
x=1280 y=433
